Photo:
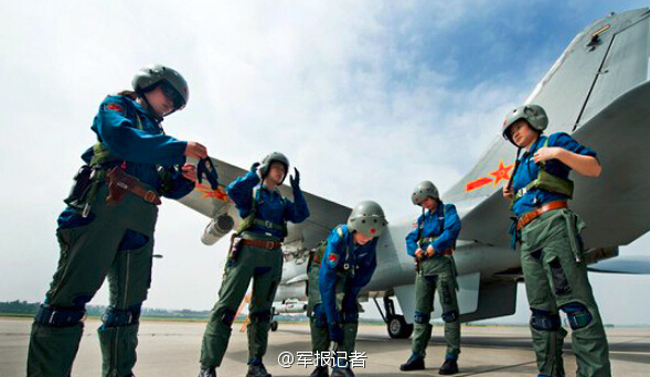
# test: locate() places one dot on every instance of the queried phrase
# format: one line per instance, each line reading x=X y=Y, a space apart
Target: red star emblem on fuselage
x=502 y=173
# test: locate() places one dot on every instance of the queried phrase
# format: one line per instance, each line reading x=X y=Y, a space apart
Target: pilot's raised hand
x=430 y=251
x=295 y=179
x=254 y=167
x=507 y=192
x=547 y=153
x=195 y=150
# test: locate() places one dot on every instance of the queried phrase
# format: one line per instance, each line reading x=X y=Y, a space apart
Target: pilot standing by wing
x=551 y=248
x=346 y=267
x=255 y=253
x=107 y=228
x=431 y=243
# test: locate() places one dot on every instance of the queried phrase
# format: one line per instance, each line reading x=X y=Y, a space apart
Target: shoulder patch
x=332 y=260
x=114 y=107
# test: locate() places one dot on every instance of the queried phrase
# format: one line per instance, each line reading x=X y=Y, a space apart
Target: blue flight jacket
x=271 y=206
x=528 y=170
x=143 y=150
x=362 y=261
x=442 y=224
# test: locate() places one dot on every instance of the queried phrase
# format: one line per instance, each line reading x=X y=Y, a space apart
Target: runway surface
x=173 y=348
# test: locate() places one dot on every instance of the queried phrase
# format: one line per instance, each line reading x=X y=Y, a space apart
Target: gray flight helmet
x=422 y=191
x=534 y=115
x=265 y=165
x=147 y=78
x=368 y=218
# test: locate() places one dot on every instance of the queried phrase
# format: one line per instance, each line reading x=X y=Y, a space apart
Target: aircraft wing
x=325 y=214
x=597 y=92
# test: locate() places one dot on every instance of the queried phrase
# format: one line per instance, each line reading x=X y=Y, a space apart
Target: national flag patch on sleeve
x=332 y=260
x=114 y=107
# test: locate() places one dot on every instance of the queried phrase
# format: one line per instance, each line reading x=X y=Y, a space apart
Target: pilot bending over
x=431 y=243
x=345 y=268
x=552 y=256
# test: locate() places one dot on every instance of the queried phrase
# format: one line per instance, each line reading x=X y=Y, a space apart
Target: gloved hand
x=254 y=167
x=295 y=182
x=336 y=332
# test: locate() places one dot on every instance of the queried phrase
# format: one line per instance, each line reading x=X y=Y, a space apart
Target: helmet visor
x=172 y=95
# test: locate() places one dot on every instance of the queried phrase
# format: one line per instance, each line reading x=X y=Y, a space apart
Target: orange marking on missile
x=208 y=192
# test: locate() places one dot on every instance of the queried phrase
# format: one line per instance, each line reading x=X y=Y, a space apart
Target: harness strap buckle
x=150 y=196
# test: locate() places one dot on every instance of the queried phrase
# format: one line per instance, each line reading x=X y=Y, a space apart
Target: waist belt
x=262 y=243
x=443 y=252
x=532 y=215
x=120 y=182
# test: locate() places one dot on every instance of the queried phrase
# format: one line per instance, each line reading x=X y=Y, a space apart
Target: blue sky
x=356 y=93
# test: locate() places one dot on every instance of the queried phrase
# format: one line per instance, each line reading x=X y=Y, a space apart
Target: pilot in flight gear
x=431 y=243
x=345 y=268
x=255 y=253
x=551 y=247
x=107 y=229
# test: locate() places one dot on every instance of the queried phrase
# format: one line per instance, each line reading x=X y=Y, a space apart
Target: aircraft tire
x=274 y=326
x=398 y=328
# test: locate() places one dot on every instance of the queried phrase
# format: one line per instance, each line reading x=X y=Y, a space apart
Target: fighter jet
x=598 y=92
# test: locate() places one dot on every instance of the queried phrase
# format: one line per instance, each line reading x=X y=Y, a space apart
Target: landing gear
x=395 y=323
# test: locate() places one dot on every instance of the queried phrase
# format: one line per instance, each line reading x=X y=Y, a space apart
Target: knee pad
x=263 y=316
x=577 y=314
x=228 y=317
x=59 y=316
x=450 y=316
x=545 y=321
x=421 y=318
x=113 y=317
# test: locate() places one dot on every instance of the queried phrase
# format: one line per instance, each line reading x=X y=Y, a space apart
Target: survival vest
x=251 y=220
x=547 y=182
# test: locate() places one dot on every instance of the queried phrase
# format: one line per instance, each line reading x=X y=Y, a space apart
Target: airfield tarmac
x=169 y=348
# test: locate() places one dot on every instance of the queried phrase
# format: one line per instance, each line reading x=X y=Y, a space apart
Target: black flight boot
x=414 y=362
x=320 y=371
x=450 y=366
x=257 y=370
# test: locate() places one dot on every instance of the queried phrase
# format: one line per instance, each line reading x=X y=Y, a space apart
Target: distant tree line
x=30 y=308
